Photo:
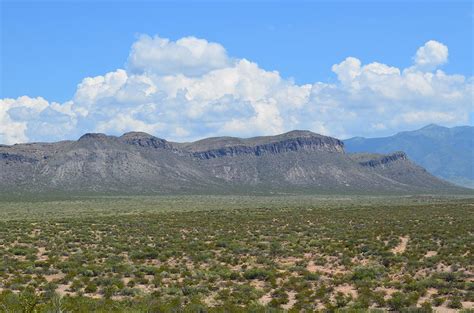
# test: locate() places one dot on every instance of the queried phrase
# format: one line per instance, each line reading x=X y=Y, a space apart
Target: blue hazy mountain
x=445 y=152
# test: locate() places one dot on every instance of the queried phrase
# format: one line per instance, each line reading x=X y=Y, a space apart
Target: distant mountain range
x=298 y=161
x=447 y=153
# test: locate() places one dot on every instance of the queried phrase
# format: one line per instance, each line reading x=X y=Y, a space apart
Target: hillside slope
x=298 y=161
x=447 y=153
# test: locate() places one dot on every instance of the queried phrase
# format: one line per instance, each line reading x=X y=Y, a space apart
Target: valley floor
x=237 y=254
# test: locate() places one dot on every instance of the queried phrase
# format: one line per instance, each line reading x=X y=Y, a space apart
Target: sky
x=187 y=70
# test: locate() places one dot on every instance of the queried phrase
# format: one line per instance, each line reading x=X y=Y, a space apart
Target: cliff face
x=375 y=161
x=445 y=152
x=141 y=163
x=297 y=143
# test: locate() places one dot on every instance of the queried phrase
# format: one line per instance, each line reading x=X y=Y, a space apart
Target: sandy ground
x=402 y=246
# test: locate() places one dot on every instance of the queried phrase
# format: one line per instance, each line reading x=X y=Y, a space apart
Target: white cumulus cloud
x=189 y=56
x=25 y=118
x=431 y=55
x=190 y=88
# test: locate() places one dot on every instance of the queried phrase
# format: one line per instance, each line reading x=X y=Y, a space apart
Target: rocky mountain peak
x=145 y=140
x=93 y=136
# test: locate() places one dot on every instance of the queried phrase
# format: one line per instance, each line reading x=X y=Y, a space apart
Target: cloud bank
x=191 y=88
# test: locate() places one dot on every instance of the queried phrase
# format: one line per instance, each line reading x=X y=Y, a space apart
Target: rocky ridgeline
x=138 y=162
x=385 y=159
x=314 y=143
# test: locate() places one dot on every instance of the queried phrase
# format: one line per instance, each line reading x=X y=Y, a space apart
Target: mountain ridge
x=138 y=162
x=448 y=153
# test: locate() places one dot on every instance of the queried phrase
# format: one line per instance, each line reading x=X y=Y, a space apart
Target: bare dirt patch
x=291 y=301
x=54 y=277
x=402 y=246
x=266 y=298
x=430 y=254
x=324 y=269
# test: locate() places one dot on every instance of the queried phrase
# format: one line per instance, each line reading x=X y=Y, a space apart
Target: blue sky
x=48 y=48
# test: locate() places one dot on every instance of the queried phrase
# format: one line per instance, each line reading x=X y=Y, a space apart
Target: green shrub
x=367 y=273
x=397 y=302
x=455 y=303
x=257 y=273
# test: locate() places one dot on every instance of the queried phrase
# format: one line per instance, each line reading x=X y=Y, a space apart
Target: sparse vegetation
x=236 y=254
